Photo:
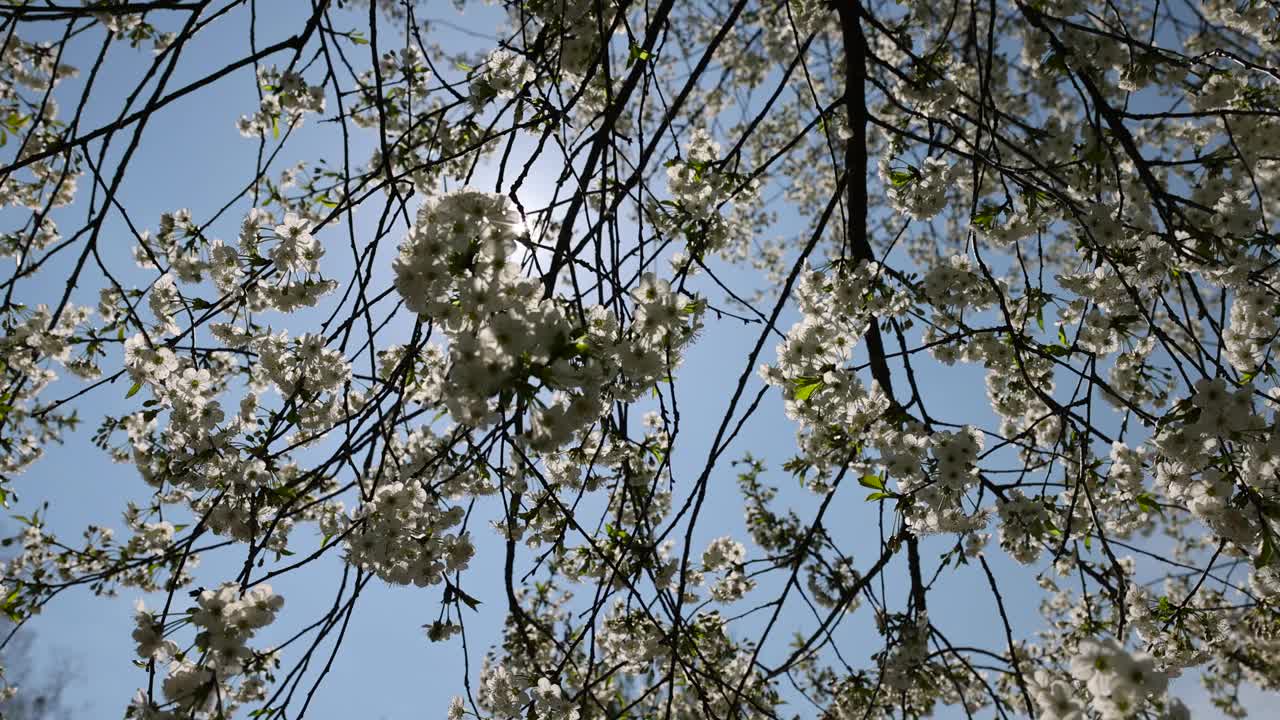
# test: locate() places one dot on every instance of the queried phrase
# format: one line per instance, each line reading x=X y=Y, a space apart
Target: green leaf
x=1034 y=198
x=16 y=121
x=985 y=218
x=806 y=386
x=1267 y=556
x=1147 y=503
x=133 y=390
x=797 y=466
x=875 y=482
x=471 y=602
x=1054 y=62
x=879 y=496
x=902 y=178
x=1096 y=154
x=638 y=53
x=10 y=607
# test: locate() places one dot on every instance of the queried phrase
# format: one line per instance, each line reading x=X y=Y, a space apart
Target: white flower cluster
x=27 y=346
x=296 y=249
x=300 y=364
x=707 y=202
x=286 y=99
x=505 y=74
x=7 y=690
x=1012 y=384
x=405 y=76
x=33 y=340
x=1133 y=378
x=401 y=532
x=906 y=660
x=1119 y=684
x=34 y=66
x=510 y=696
x=228 y=673
x=274 y=269
x=955 y=286
x=935 y=500
x=1255 y=20
x=1171 y=632
x=401 y=536
x=1253 y=325
x=822 y=393
x=1024 y=523
x=424 y=379
x=573 y=28
x=283 y=276
x=175 y=242
x=1122 y=496
x=921 y=192
x=727 y=554
x=457 y=260
x=204 y=447
x=506 y=341
x=831 y=587
x=632 y=638
x=836 y=413
x=639 y=501
x=1186 y=467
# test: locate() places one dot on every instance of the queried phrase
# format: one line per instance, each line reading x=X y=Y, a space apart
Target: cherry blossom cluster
x=402 y=536
x=830 y=401
x=919 y=192
x=507 y=341
x=286 y=99
x=708 y=203
x=509 y=696
x=1075 y=201
x=220 y=671
x=504 y=74
x=727 y=555
x=1119 y=684
x=573 y=27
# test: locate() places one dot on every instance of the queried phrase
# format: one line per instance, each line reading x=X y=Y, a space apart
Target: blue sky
x=191 y=157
